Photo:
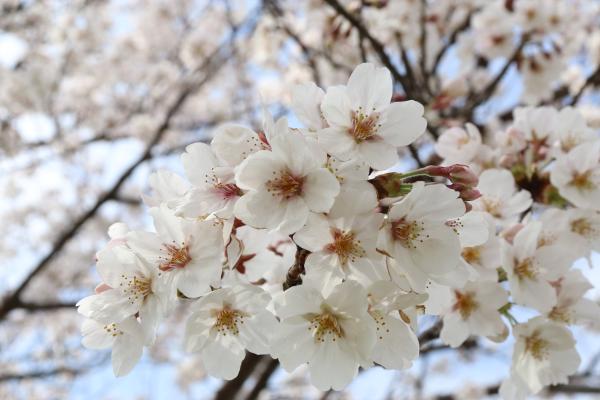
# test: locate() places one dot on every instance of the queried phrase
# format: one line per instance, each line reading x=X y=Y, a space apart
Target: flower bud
x=459 y=173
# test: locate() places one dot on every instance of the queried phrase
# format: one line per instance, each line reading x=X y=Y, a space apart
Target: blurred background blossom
x=97 y=94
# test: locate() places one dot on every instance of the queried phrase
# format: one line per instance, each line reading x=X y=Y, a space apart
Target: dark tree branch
x=377 y=46
x=269 y=368
x=38 y=374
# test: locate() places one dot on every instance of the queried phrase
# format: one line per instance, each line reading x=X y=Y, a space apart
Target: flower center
x=113 y=330
x=492 y=206
x=582 y=181
x=346 y=246
x=582 y=227
x=407 y=232
x=364 y=127
x=178 y=257
x=560 y=314
x=228 y=190
x=286 y=185
x=227 y=321
x=525 y=269
x=136 y=288
x=536 y=346
x=472 y=255
x=324 y=326
x=465 y=303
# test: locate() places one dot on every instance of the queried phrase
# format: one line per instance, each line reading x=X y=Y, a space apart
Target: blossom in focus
x=284 y=185
x=227 y=322
x=363 y=125
x=332 y=332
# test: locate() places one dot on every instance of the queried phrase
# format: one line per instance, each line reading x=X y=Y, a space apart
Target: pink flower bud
x=459 y=173
x=466 y=193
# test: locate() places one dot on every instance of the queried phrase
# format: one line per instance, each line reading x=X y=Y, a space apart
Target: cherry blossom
x=225 y=323
x=544 y=353
x=363 y=124
x=189 y=253
x=284 y=185
x=332 y=332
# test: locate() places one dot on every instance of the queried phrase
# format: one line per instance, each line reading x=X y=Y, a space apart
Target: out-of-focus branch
x=566 y=388
x=206 y=70
x=270 y=366
x=485 y=94
x=593 y=79
x=377 y=46
x=38 y=374
x=451 y=40
x=54 y=305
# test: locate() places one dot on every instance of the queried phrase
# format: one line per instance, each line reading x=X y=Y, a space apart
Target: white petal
x=403 y=123
x=320 y=189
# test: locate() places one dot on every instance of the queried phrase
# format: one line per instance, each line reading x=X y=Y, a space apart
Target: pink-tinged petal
x=403 y=123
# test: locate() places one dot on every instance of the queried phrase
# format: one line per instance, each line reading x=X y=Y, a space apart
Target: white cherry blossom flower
x=571 y=307
x=471 y=310
x=571 y=130
x=332 y=332
x=484 y=258
x=227 y=322
x=132 y=287
x=284 y=185
x=214 y=189
x=531 y=268
x=499 y=196
x=418 y=237
x=187 y=252
x=363 y=125
x=577 y=175
x=544 y=353
x=342 y=248
x=457 y=145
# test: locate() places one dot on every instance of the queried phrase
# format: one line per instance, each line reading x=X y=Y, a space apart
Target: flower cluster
x=301 y=244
